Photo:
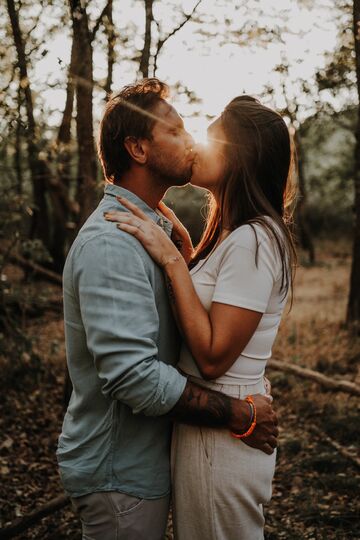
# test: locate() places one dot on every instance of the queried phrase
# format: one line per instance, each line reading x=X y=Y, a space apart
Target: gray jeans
x=110 y=515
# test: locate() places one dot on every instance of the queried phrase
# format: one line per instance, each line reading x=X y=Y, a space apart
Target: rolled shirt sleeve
x=118 y=309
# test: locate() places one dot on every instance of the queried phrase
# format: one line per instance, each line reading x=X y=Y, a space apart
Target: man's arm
x=205 y=407
x=120 y=318
x=112 y=281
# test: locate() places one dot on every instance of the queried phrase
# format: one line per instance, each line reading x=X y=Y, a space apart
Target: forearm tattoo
x=204 y=407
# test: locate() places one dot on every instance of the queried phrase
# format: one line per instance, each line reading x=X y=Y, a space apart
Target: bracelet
x=173 y=259
x=249 y=431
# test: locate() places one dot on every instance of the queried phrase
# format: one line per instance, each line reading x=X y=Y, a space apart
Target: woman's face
x=209 y=167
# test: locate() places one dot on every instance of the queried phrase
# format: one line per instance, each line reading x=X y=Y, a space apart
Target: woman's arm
x=180 y=235
x=215 y=339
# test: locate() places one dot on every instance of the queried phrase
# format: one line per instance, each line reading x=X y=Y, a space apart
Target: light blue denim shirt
x=121 y=345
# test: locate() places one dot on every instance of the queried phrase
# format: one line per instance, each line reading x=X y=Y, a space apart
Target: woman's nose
x=190 y=143
x=198 y=148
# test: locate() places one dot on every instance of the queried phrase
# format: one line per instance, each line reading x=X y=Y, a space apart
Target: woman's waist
x=244 y=371
x=239 y=390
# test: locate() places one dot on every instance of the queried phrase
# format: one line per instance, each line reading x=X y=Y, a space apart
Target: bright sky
x=217 y=67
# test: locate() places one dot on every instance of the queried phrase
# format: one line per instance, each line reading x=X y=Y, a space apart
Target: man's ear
x=136 y=149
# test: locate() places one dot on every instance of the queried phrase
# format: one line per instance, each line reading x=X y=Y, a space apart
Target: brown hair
x=258 y=181
x=127 y=114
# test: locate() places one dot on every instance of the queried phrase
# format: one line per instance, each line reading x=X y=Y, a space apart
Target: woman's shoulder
x=252 y=235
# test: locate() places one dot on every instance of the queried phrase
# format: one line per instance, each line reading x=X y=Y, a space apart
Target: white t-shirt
x=230 y=276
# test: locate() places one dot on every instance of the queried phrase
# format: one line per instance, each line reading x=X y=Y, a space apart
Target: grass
x=315 y=490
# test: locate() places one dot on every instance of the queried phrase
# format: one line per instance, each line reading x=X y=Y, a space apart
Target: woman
x=228 y=309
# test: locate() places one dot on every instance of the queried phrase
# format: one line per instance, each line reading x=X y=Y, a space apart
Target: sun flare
x=197 y=127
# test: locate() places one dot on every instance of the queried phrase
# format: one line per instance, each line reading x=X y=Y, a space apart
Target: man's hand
x=264 y=436
x=204 y=407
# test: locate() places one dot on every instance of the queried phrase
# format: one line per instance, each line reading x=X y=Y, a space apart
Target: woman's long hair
x=258 y=182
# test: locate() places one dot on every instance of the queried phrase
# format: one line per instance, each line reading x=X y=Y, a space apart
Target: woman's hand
x=180 y=235
x=153 y=238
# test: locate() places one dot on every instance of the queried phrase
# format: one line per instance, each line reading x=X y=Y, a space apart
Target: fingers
x=272 y=442
x=268 y=449
x=123 y=217
x=267 y=385
x=132 y=229
x=116 y=215
x=166 y=211
x=133 y=208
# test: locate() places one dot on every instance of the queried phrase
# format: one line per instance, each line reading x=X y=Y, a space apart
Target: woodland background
x=50 y=181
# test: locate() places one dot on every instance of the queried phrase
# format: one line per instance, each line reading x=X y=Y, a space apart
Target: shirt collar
x=115 y=191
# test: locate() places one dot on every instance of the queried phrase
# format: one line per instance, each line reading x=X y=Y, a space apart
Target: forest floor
x=315 y=494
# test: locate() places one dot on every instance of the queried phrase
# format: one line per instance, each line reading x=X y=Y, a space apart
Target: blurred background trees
x=60 y=60
x=48 y=157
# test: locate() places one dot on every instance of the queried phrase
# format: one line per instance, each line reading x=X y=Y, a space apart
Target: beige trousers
x=219 y=483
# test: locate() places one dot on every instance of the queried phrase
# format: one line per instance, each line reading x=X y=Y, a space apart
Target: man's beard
x=169 y=173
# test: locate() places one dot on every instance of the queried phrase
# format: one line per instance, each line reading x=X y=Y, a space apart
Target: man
x=121 y=338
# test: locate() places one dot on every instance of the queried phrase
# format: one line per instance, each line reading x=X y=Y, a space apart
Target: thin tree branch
x=162 y=41
x=323 y=380
x=337 y=446
x=53 y=277
x=99 y=20
x=23 y=523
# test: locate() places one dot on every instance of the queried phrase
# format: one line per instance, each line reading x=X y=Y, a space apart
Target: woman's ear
x=136 y=149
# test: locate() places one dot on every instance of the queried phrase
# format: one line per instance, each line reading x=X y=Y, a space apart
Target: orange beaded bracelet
x=250 y=400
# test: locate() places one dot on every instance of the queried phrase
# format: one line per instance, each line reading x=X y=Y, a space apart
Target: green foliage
x=328 y=144
x=189 y=203
x=339 y=71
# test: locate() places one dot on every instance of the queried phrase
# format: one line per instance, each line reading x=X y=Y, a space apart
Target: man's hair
x=127 y=114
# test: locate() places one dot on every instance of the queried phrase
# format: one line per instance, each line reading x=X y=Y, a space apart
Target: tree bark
x=353 y=309
x=86 y=177
x=63 y=207
x=18 y=152
x=111 y=39
x=38 y=168
x=146 y=52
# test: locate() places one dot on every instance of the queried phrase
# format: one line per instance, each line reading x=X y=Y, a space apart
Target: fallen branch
x=24 y=522
x=338 y=447
x=327 y=382
x=35 y=307
x=36 y=268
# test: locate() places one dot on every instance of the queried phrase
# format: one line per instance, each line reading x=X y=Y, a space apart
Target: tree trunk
x=63 y=207
x=111 y=39
x=146 y=52
x=18 y=153
x=38 y=168
x=302 y=225
x=353 y=310
x=86 y=177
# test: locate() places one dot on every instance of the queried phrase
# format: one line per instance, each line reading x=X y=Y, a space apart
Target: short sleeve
x=242 y=280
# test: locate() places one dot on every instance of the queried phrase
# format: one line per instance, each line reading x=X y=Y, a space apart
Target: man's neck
x=144 y=187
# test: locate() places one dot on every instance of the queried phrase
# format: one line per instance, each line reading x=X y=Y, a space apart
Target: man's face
x=170 y=155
